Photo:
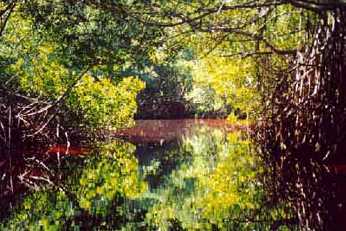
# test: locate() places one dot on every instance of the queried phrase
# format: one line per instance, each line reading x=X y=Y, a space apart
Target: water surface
x=158 y=175
x=163 y=131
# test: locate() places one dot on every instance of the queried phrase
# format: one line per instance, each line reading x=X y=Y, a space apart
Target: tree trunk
x=304 y=129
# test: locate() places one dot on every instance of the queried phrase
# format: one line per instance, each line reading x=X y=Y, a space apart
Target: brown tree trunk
x=304 y=129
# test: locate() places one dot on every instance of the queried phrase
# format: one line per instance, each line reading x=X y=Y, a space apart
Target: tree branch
x=8 y=9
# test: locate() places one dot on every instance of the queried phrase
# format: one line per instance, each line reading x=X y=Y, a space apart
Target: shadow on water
x=176 y=175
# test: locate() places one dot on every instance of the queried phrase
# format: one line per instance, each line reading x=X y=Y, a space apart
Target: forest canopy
x=51 y=49
x=79 y=70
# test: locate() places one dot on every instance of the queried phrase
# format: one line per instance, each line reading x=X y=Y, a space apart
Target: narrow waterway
x=160 y=174
x=157 y=175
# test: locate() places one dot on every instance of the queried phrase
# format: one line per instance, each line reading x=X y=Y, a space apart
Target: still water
x=158 y=175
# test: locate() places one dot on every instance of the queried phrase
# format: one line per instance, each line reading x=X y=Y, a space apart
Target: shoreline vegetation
x=73 y=72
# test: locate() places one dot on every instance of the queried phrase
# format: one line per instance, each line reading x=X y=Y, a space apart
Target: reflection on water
x=204 y=176
x=163 y=131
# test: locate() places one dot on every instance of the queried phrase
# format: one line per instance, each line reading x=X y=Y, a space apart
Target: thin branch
x=59 y=101
x=317 y=6
x=248 y=54
x=10 y=9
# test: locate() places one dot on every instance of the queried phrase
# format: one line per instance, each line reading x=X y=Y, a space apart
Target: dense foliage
x=72 y=71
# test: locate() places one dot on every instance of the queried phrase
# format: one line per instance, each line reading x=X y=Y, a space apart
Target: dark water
x=158 y=175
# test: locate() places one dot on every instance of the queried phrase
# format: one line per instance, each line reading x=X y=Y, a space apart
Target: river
x=158 y=175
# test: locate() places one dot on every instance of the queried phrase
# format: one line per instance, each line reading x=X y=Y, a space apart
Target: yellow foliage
x=232 y=79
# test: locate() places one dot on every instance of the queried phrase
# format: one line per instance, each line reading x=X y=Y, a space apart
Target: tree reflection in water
x=208 y=180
